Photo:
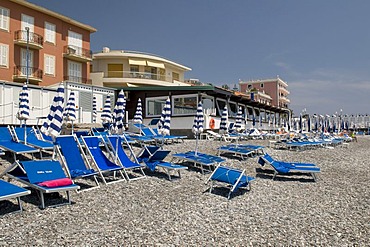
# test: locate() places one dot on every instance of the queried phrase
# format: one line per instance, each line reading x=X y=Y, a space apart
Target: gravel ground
x=287 y=211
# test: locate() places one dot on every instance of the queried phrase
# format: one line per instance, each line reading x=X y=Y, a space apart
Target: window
x=250 y=113
x=74 y=71
x=49 y=64
x=175 y=76
x=24 y=64
x=185 y=104
x=154 y=106
x=208 y=102
x=115 y=70
x=249 y=86
x=261 y=85
x=233 y=109
x=49 y=32
x=75 y=43
x=220 y=106
x=4 y=51
x=4 y=18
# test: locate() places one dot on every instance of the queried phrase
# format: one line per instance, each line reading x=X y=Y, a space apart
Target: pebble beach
x=288 y=211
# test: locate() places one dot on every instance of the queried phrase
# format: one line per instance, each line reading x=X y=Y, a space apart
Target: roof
x=171 y=88
x=54 y=14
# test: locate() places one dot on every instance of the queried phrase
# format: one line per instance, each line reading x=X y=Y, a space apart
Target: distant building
x=272 y=92
x=58 y=46
x=119 y=68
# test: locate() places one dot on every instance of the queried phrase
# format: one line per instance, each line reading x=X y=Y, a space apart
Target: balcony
x=34 y=74
x=76 y=53
x=284 y=99
x=35 y=41
x=77 y=79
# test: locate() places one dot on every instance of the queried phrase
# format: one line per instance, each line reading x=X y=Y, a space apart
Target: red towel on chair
x=56 y=183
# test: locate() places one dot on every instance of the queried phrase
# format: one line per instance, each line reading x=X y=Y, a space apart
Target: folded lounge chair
x=74 y=160
x=115 y=142
x=233 y=178
x=10 y=191
x=45 y=176
x=153 y=157
x=7 y=143
x=281 y=167
x=206 y=162
x=104 y=165
x=243 y=150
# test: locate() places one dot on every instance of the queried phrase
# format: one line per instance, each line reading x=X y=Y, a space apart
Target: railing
x=138 y=75
x=77 y=79
x=34 y=38
x=77 y=51
x=23 y=71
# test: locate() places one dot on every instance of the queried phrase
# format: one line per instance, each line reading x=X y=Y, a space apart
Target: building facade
x=41 y=46
x=118 y=69
x=273 y=92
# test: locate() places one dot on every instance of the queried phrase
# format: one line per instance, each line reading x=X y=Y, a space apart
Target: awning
x=137 y=62
x=155 y=64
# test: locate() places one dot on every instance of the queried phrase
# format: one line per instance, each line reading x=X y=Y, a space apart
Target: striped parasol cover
x=164 y=123
x=198 y=120
x=94 y=113
x=224 y=119
x=239 y=119
x=106 y=116
x=138 y=118
x=24 y=104
x=70 y=110
x=119 y=113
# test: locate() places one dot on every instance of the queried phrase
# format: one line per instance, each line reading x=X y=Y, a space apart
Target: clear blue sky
x=321 y=48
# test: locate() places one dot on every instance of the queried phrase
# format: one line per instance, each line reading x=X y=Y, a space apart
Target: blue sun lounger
x=104 y=165
x=153 y=157
x=233 y=178
x=45 y=176
x=74 y=160
x=205 y=162
x=115 y=142
x=281 y=167
x=32 y=139
x=10 y=191
x=7 y=143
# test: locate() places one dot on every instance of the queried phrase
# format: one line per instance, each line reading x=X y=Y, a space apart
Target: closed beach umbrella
x=239 y=119
x=138 y=117
x=70 y=110
x=300 y=123
x=24 y=108
x=198 y=125
x=119 y=113
x=164 y=123
x=53 y=124
x=106 y=115
x=94 y=113
x=254 y=121
x=224 y=119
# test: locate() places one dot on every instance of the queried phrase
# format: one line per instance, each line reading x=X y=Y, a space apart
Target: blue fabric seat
x=153 y=157
x=74 y=159
x=34 y=172
x=281 y=167
x=10 y=191
x=115 y=142
x=104 y=165
x=32 y=138
x=233 y=178
x=205 y=162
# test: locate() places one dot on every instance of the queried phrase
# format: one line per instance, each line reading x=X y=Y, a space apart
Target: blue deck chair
x=104 y=165
x=10 y=191
x=153 y=157
x=123 y=159
x=205 y=162
x=257 y=149
x=7 y=143
x=74 y=160
x=45 y=176
x=236 y=151
x=233 y=178
x=32 y=139
x=281 y=167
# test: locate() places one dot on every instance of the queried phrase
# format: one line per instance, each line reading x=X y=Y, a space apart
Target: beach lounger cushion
x=56 y=183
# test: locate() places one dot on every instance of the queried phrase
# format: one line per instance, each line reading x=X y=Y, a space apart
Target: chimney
x=106 y=49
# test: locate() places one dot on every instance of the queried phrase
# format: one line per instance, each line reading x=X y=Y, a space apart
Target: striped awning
x=137 y=62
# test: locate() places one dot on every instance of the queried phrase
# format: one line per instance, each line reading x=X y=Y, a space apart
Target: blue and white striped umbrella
x=119 y=113
x=138 y=118
x=198 y=120
x=53 y=124
x=164 y=123
x=24 y=104
x=224 y=119
x=106 y=116
x=70 y=110
x=94 y=112
x=239 y=119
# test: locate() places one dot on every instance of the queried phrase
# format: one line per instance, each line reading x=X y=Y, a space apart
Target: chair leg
x=20 y=204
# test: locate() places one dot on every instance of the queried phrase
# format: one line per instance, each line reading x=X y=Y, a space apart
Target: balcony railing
x=77 y=79
x=21 y=72
x=34 y=40
x=139 y=75
x=77 y=53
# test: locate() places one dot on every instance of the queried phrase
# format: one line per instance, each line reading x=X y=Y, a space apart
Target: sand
x=287 y=211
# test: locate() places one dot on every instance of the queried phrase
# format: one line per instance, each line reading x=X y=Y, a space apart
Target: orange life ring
x=212 y=123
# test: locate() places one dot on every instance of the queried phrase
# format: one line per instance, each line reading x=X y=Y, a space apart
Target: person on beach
x=353 y=136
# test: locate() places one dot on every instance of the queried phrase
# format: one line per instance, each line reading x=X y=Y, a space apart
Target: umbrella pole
x=196 y=144
x=25 y=132
x=72 y=127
